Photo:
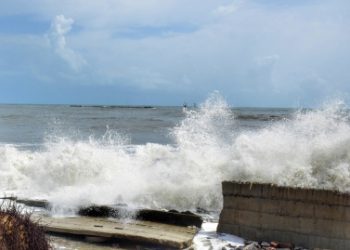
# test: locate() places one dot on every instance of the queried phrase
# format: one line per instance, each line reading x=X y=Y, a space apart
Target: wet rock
x=252 y=246
x=96 y=211
x=285 y=245
x=172 y=217
x=202 y=210
x=265 y=244
x=228 y=248
x=274 y=244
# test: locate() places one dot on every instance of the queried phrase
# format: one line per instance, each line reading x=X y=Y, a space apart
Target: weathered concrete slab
x=133 y=230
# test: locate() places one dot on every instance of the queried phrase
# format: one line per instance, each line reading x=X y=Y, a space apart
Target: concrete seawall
x=306 y=217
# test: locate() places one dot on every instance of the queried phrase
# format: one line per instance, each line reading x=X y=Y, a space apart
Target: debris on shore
x=273 y=245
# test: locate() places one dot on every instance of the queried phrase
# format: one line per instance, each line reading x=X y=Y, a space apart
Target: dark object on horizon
x=111 y=106
x=19 y=232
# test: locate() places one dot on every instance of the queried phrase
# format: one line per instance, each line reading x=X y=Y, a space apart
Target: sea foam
x=312 y=149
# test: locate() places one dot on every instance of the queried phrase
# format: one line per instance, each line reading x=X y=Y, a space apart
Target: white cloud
x=269 y=60
x=231 y=45
x=227 y=9
x=60 y=26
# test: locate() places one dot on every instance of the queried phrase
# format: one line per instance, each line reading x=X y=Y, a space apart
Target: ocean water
x=167 y=157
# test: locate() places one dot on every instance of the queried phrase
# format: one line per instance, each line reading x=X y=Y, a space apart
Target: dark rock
x=96 y=211
x=274 y=244
x=170 y=217
x=248 y=242
x=202 y=210
x=228 y=248
x=285 y=245
x=252 y=246
x=264 y=244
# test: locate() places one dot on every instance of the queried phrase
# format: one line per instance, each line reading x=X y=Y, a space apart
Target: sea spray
x=311 y=149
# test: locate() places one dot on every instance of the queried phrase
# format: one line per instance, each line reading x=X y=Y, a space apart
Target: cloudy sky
x=166 y=52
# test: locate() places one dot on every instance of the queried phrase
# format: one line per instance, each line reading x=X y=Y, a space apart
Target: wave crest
x=311 y=149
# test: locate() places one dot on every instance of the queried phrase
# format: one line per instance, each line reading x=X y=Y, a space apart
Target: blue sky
x=165 y=52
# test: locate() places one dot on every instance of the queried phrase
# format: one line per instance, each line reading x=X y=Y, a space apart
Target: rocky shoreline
x=273 y=245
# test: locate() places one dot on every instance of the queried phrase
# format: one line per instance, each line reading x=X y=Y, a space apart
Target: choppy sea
x=167 y=157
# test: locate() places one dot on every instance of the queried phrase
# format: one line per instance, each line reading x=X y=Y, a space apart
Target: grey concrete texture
x=298 y=239
x=287 y=207
x=271 y=191
x=307 y=217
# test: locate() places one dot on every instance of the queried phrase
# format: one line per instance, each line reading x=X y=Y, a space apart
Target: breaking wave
x=311 y=149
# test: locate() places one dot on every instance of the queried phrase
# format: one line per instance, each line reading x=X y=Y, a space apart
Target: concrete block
x=229 y=228
x=248 y=232
x=246 y=189
x=329 y=228
x=306 y=225
x=332 y=212
x=307 y=217
x=300 y=239
x=270 y=221
x=228 y=216
x=229 y=188
x=301 y=209
x=272 y=206
x=292 y=194
x=267 y=191
x=242 y=203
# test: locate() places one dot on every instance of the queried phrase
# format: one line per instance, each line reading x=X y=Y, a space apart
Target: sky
x=263 y=53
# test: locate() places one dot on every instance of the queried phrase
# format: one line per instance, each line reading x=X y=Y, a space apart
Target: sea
x=167 y=157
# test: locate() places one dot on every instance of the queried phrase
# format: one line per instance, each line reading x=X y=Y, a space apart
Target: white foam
x=310 y=150
x=208 y=238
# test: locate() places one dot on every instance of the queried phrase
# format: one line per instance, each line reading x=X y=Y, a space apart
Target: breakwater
x=307 y=217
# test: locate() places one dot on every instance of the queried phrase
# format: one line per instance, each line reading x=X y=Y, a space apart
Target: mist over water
x=305 y=149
